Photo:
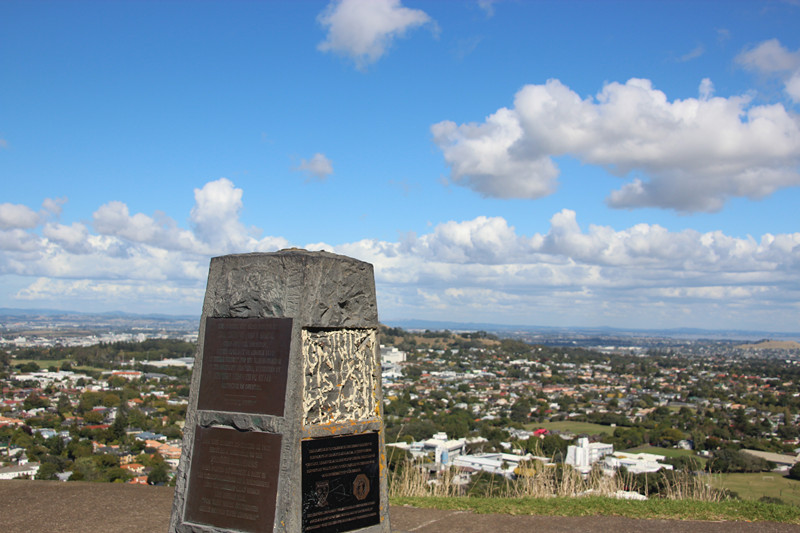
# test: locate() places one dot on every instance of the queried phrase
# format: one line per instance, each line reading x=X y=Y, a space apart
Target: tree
x=85 y=469
x=670 y=437
x=47 y=471
x=77 y=449
x=89 y=399
x=116 y=474
x=55 y=445
x=111 y=400
x=520 y=410
x=93 y=417
x=159 y=475
x=684 y=462
x=794 y=472
x=34 y=401
x=515 y=347
x=22 y=438
x=64 y=406
x=106 y=460
x=735 y=461
x=457 y=423
x=29 y=367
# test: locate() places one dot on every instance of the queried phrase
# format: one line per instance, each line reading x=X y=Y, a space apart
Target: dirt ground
x=75 y=507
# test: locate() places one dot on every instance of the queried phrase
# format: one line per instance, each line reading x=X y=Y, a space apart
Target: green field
x=573 y=427
x=755 y=486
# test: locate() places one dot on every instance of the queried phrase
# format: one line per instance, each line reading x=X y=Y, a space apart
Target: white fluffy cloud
x=644 y=275
x=17 y=216
x=318 y=167
x=114 y=219
x=133 y=251
x=769 y=57
x=73 y=239
x=772 y=58
x=687 y=155
x=364 y=29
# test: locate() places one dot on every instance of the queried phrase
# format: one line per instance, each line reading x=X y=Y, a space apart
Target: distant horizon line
x=415 y=323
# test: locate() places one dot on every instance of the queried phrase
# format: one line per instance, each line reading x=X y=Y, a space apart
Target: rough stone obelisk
x=284 y=430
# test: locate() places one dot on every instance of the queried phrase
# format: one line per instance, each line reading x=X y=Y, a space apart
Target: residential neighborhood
x=117 y=421
x=585 y=407
x=114 y=411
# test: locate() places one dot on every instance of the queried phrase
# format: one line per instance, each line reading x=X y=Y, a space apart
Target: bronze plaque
x=341 y=483
x=233 y=481
x=245 y=365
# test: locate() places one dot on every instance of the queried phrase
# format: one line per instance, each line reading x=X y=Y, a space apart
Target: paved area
x=74 y=507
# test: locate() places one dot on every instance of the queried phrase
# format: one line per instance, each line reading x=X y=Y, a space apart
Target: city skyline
x=556 y=164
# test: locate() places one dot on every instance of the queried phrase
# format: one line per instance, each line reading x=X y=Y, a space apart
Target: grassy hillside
x=764 y=484
x=573 y=427
x=654 y=509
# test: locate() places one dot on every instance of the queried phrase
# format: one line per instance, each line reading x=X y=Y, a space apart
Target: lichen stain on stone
x=338 y=383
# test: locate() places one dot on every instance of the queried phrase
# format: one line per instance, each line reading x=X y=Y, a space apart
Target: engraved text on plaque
x=341 y=490
x=234 y=479
x=245 y=365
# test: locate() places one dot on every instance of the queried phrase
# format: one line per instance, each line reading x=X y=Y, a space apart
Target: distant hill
x=594 y=331
x=772 y=345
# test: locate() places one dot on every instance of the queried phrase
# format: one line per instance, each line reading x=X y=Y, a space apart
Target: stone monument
x=284 y=430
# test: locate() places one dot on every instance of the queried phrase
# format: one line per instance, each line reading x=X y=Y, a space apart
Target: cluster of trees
x=728 y=461
x=105 y=355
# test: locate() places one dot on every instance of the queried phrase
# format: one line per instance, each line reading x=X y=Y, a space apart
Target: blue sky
x=576 y=163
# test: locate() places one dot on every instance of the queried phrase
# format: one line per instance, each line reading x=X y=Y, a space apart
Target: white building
x=183 y=362
x=391 y=358
x=391 y=355
x=635 y=463
x=586 y=453
x=21 y=470
x=444 y=449
x=502 y=464
x=45 y=378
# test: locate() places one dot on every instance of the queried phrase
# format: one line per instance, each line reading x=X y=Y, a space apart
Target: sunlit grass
x=652 y=509
x=572 y=427
x=546 y=490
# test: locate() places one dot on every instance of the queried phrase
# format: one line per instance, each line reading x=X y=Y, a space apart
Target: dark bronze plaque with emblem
x=234 y=479
x=341 y=483
x=245 y=363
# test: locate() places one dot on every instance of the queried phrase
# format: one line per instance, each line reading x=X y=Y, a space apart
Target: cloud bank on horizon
x=457 y=268
x=469 y=253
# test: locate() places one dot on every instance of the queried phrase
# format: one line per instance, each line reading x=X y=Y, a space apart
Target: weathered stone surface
x=325 y=384
x=318 y=289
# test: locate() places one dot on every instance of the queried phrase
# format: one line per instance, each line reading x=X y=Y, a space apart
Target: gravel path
x=75 y=507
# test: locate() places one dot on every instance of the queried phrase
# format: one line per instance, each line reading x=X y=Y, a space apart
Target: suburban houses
x=471 y=401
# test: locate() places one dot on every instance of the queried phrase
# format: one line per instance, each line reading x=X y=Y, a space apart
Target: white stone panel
x=338 y=380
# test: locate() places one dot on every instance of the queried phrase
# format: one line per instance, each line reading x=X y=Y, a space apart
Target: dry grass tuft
x=413 y=479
